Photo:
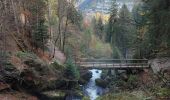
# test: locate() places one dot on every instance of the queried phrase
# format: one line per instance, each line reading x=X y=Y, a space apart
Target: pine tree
x=123 y=31
x=39 y=32
x=112 y=21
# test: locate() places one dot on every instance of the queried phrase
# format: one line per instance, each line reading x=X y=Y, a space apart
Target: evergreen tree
x=140 y=20
x=99 y=28
x=39 y=34
x=153 y=27
x=159 y=28
x=112 y=21
x=123 y=34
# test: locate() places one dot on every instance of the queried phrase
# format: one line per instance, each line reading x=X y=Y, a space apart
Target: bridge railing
x=113 y=62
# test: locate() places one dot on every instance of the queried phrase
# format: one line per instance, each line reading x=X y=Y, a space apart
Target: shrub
x=132 y=81
x=26 y=55
x=162 y=92
x=56 y=65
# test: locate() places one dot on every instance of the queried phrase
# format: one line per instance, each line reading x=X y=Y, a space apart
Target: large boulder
x=101 y=83
x=85 y=77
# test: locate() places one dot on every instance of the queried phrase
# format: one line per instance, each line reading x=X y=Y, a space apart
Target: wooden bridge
x=113 y=63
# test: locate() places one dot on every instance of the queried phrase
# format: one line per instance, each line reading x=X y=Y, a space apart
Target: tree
x=140 y=20
x=159 y=28
x=98 y=27
x=122 y=31
x=112 y=20
x=67 y=14
x=152 y=18
x=39 y=33
x=71 y=70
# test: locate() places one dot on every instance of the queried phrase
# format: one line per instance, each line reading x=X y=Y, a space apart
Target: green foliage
x=98 y=27
x=121 y=96
x=4 y=58
x=160 y=27
x=75 y=16
x=57 y=66
x=98 y=49
x=26 y=55
x=39 y=33
x=120 y=31
x=132 y=81
x=71 y=70
x=110 y=25
x=116 y=53
x=113 y=10
x=152 y=22
x=5 y=61
x=163 y=92
x=85 y=98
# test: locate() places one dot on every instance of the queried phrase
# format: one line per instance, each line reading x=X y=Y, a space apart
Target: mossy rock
x=87 y=76
x=53 y=95
x=123 y=96
x=101 y=83
x=85 y=98
x=82 y=81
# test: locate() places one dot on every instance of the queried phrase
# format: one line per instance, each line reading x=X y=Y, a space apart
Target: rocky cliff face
x=160 y=64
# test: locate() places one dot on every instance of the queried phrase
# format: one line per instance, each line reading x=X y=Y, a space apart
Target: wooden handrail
x=108 y=63
x=110 y=60
x=113 y=63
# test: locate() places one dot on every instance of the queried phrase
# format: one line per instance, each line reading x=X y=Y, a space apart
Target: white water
x=91 y=89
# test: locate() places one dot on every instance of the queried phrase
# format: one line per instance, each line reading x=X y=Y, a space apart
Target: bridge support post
x=116 y=72
x=109 y=72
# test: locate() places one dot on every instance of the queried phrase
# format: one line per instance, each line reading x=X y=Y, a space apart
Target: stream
x=91 y=89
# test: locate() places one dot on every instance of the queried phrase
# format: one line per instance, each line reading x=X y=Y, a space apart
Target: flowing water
x=91 y=89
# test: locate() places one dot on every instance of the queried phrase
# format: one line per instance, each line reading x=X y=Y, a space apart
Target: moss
x=123 y=96
x=56 y=65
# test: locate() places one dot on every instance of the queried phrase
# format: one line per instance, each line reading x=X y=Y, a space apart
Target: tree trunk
x=64 y=38
x=15 y=16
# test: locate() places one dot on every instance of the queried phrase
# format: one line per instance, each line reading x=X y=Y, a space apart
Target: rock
x=97 y=71
x=101 y=83
x=87 y=76
x=82 y=81
x=4 y=86
x=124 y=76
